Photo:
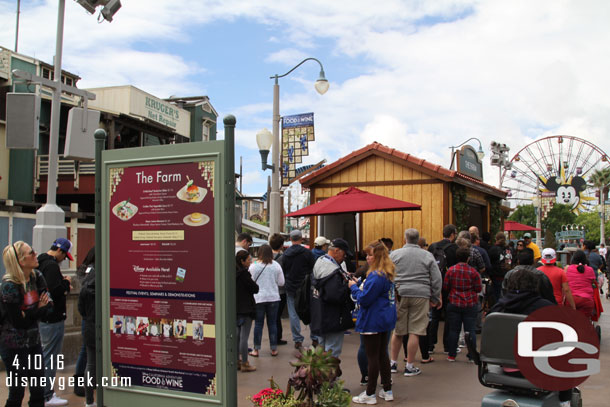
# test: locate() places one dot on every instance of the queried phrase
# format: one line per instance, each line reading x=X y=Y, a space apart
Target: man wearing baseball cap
x=559 y=281
x=52 y=327
x=320 y=246
x=527 y=239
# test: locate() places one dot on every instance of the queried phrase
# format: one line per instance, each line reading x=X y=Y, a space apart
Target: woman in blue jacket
x=376 y=319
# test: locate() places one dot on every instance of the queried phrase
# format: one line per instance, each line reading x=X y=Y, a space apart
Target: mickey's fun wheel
x=557 y=166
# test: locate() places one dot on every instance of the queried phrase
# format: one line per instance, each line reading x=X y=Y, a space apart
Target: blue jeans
x=244 y=323
x=52 y=338
x=295 y=322
x=332 y=342
x=15 y=391
x=269 y=309
x=457 y=316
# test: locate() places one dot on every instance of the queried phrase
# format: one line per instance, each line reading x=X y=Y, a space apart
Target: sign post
x=167 y=288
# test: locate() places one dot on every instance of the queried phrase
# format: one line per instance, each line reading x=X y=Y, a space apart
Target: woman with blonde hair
x=23 y=301
x=376 y=319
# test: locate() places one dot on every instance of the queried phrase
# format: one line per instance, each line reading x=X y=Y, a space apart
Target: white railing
x=65 y=167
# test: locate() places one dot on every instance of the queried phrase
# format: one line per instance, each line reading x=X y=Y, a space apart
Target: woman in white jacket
x=267 y=273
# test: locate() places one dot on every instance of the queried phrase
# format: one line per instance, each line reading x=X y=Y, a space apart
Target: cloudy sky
x=418 y=76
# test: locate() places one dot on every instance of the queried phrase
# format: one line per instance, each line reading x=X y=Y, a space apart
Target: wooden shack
x=446 y=196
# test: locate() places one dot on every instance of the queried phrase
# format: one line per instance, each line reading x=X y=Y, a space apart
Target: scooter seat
x=496 y=377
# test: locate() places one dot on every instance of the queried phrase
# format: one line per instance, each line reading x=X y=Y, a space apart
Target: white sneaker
x=386 y=395
x=94 y=404
x=363 y=398
x=55 y=401
x=565 y=403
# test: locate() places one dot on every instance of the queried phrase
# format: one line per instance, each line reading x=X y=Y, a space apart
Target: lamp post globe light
x=262 y=139
x=480 y=152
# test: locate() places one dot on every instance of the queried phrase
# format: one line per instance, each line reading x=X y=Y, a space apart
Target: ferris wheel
x=555 y=169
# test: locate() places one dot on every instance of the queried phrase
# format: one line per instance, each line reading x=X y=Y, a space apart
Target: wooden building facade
x=445 y=196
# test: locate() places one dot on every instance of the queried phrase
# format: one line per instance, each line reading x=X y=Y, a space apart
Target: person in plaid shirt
x=463 y=283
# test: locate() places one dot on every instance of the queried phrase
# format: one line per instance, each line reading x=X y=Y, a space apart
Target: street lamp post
x=50 y=217
x=480 y=152
x=275 y=213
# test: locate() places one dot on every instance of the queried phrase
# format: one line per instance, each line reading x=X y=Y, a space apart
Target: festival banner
x=297 y=132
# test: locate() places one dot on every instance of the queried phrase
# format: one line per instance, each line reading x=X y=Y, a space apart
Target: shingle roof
x=376 y=148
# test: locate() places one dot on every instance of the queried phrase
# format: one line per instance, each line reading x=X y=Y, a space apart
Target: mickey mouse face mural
x=567 y=192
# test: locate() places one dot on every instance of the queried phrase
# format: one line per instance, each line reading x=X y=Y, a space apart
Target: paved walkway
x=441 y=383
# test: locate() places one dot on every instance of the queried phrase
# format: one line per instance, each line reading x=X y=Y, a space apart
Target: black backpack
x=438 y=251
x=302 y=300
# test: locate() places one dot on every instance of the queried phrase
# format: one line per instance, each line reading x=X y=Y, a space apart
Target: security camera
x=110 y=9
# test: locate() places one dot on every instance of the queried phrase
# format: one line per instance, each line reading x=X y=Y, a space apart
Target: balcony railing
x=65 y=167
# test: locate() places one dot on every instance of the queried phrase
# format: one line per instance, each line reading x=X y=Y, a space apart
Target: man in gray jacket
x=418 y=282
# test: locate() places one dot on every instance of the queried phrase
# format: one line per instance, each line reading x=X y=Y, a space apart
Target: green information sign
x=468 y=163
x=167 y=300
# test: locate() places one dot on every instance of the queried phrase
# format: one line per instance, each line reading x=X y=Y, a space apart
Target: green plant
x=460 y=207
x=495 y=215
x=313 y=368
x=333 y=396
x=312 y=384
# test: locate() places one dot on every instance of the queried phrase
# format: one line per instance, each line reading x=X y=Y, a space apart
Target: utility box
x=80 y=144
x=22 y=120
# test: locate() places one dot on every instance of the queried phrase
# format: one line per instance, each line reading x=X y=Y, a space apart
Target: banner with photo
x=297 y=132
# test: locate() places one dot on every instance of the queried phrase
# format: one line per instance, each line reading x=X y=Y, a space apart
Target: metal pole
x=602 y=227
x=100 y=140
x=538 y=214
x=274 y=199
x=17 y=26
x=50 y=217
x=228 y=257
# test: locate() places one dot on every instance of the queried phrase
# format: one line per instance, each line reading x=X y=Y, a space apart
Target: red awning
x=513 y=226
x=354 y=200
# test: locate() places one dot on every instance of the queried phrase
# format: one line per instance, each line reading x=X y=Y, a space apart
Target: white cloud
x=423 y=75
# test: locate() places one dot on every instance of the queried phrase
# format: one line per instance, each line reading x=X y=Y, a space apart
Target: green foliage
x=333 y=396
x=460 y=207
x=559 y=215
x=495 y=215
x=312 y=384
x=313 y=368
x=591 y=222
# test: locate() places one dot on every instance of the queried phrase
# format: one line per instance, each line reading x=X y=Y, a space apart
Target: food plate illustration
x=192 y=193
x=196 y=219
x=125 y=210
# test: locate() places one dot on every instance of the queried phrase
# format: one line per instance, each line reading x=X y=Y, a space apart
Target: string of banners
x=297 y=132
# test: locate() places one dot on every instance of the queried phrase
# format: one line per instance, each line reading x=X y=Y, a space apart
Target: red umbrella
x=354 y=200
x=513 y=226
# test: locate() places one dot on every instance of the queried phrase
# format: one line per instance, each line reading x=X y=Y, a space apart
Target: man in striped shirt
x=463 y=283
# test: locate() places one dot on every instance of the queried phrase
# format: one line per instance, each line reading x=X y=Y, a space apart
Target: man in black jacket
x=52 y=327
x=331 y=303
x=297 y=262
x=449 y=248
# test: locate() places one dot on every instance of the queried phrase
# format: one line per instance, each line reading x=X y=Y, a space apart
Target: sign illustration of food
x=125 y=210
x=196 y=219
x=191 y=192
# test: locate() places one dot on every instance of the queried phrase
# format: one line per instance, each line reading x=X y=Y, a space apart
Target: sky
x=419 y=76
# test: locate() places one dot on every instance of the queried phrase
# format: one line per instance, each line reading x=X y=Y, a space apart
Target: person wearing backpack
x=444 y=254
x=331 y=303
x=86 y=307
x=501 y=258
x=297 y=262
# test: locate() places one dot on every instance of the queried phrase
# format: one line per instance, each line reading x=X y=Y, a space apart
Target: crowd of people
x=397 y=299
